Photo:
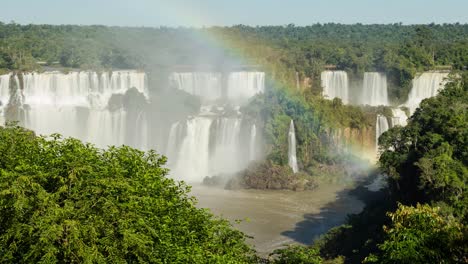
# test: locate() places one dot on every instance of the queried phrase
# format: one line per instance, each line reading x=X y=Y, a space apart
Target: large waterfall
x=214 y=142
x=425 y=85
x=374 y=90
x=76 y=104
x=292 y=158
x=335 y=85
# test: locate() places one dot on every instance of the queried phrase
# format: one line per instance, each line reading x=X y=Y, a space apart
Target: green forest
x=65 y=201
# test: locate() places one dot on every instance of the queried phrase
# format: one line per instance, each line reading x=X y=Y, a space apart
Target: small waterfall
x=399 y=117
x=335 y=85
x=142 y=141
x=172 y=142
x=193 y=157
x=253 y=139
x=4 y=95
x=374 y=90
x=4 y=89
x=380 y=127
x=292 y=148
x=425 y=85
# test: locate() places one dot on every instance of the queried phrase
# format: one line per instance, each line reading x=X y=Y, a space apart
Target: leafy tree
x=427 y=160
x=297 y=254
x=422 y=234
x=62 y=201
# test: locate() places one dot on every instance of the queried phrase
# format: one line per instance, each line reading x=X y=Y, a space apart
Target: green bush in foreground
x=65 y=201
x=422 y=234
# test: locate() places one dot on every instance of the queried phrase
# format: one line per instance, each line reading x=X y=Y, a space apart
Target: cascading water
x=206 y=85
x=380 y=128
x=374 y=90
x=244 y=85
x=399 y=117
x=193 y=162
x=292 y=158
x=253 y=142
x=4 y=95
x=425 y=85
x=76 y=105
x=335 y=85
x=214 y=142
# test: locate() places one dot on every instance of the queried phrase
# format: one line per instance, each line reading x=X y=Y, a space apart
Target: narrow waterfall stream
x=292 y=158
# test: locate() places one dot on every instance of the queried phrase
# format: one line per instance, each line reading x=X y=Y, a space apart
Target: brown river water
x=278 y=218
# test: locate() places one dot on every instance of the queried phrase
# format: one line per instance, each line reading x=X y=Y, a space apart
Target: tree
x=422 y=234
x=427 y=160
x=65 y=201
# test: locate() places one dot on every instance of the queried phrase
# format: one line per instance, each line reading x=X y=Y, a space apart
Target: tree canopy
x=62 y=201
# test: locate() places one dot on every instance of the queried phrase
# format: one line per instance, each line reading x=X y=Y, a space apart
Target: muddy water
x=276 y=218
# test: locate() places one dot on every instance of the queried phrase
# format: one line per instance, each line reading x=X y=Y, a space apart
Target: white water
x=203 y=84
x=335 y=85
x=4 y=89
x=209 y=86
x=75 y=105
x=380 y=128
x=426 y=85
x=244 y=85
x=253 y=142
x=399 y=117
x=292 y=158
x=192 y=162
x=209 y=143
x=213 y=143
x=374 y=90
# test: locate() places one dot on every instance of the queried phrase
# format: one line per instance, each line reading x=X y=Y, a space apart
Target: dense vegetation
x=424 y=214
x=62 y=201
x=399 y=50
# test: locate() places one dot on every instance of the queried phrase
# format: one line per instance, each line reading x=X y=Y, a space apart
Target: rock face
x=269 y=176
x=360 y=141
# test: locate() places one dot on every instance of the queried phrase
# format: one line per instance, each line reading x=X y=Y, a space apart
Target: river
x=277 y=218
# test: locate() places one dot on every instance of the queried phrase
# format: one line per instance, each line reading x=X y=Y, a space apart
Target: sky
x=198 y=13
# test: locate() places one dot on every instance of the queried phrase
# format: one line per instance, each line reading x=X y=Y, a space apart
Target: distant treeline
x=399 y=50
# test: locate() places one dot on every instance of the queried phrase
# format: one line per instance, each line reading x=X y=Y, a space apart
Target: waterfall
x=212 y=142
x=253 y=138
x=4 y=89
x=244 y=85
x=75 y=104
x=380 y=127
x=399 y=117
x=425 y=85
x=209 y=85
x=374 y=90
x=4 y=95
x=292 y=148
x=335 y=85
x=203 y=84
x=192 y=163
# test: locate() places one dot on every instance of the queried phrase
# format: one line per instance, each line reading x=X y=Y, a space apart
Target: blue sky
x=222 y=12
